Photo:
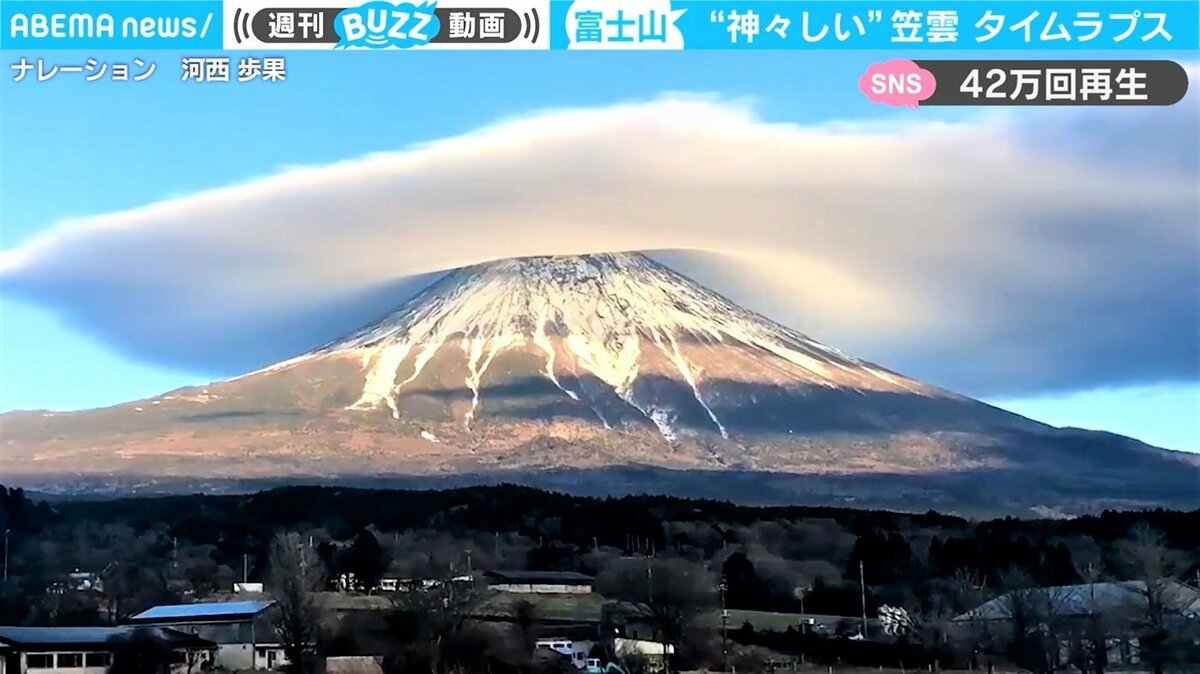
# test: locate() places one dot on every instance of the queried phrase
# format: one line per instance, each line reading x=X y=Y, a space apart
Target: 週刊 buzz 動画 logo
x=383 y=25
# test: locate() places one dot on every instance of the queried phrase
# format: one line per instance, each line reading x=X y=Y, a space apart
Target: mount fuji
x=596 y=374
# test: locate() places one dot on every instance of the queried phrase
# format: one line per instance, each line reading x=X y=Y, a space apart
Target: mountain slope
x=579 y=363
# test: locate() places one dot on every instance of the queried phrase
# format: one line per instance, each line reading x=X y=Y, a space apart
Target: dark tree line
x=666 y=555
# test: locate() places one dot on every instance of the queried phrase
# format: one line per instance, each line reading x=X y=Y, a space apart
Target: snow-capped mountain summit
x=575 y=370
x=615 y=319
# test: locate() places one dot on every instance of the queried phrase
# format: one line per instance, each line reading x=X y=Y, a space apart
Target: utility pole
x=6 y=533
x=862 y=583
x=245 y=567
x=649 y=583
x=468 y=562
x=175 y=552
x=800 y=591
x=724 y=628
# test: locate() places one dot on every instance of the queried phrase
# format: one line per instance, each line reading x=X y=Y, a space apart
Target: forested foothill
x=675 y=562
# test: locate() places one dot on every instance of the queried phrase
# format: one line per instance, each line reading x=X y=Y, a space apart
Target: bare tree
x=428 y=621
x=133 y=577
x=296 y=575
x=932 y=625
x=967 y=591
x=525 y=615
x=1035 y=619
x=670 y=593
x=1091 y=634
x=143 y=651
x=1154 y=612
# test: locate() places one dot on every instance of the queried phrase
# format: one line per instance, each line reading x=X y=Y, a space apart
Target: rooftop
x=551 y=577
x=551 y=609
x=85 y=638
x=225 y=610
x=337 y=601
x=1087 y=599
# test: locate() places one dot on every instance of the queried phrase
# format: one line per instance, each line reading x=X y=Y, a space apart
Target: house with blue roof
x=243 y=631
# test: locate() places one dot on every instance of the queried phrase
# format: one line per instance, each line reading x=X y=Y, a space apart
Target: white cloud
x=1010 y=254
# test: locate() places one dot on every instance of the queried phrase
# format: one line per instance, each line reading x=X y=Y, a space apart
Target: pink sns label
x=898 y=82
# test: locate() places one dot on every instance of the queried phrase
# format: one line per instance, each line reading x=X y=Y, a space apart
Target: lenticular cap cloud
x=1001 y=255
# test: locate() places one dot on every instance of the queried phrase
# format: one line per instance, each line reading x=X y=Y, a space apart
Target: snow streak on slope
x=612 y=316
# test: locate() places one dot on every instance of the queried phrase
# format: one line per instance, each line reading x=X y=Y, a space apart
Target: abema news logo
x=43 y=24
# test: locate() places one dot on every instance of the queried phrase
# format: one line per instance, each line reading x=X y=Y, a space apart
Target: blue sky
x=73 y=149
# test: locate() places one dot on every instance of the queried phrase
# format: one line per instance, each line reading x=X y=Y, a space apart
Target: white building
x=78 y=581
x=354 y=664
x=244 y=631
x=655 y=653
x=575 y=649
x=644 y=647
x=89 y=650
x=540 y=582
